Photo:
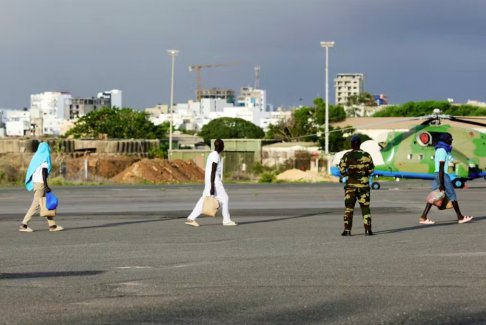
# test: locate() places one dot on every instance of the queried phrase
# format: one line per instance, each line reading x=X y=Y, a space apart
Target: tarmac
x=126 y=257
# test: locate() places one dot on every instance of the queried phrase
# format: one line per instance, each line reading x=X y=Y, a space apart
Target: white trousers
x=221 y=195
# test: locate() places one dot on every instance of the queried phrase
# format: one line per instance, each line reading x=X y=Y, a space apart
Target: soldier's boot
x=348 y=223
x=347 y=230
x=346 y=233
x=368 y=231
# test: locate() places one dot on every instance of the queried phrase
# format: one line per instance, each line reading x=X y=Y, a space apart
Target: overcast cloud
x=408 y=49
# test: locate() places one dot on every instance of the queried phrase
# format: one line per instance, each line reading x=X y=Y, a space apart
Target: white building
x=50 y=103
x=193 y=115
x=114 y=95
x=347 y=85
x=252 y=98
x=48 y=111
x=471 y=102
x=275 y=118
x=17 y=123
x=157 y=110
x=81 y=106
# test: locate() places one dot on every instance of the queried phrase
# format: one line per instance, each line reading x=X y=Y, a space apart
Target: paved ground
x=126 y=257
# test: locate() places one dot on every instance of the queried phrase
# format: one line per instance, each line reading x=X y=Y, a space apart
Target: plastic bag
x=51 y=201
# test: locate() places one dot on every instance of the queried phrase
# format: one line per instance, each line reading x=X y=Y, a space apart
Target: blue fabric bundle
x=444 y=141
x=443 y=145
x=51 y=201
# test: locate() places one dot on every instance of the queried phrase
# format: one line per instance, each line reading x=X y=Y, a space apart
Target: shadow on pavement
x=34 y=275
x=282 y=219
x=419 y=226
x=124 y=223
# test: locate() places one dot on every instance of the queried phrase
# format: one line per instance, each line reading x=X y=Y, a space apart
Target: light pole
x=173 y=54
x=327 y=45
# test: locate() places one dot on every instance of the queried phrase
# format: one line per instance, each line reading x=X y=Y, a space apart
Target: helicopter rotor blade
x=452 y=118
x=406 y=119
x=428 y=120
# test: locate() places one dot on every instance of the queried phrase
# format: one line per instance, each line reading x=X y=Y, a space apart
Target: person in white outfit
x=213 y=187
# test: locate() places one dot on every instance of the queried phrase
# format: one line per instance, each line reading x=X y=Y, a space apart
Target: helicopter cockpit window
x=436 y=137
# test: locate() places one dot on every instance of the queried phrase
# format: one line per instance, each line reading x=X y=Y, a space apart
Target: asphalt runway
x=126 y=257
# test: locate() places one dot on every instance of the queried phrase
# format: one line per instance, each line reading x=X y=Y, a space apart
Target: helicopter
x=410 y=155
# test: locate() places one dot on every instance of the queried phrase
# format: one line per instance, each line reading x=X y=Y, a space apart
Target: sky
x=409 y=50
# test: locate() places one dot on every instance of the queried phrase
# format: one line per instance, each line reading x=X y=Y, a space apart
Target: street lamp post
x=327 y=45
x=173 y=54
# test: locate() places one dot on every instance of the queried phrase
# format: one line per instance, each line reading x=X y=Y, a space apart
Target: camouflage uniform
x=357 y=166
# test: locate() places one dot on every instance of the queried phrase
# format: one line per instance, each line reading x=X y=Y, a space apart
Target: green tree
x=414 y=109
x=306 y=123
x=121 y=123
x=364 y=98
x=336 y=113
x=280 y=131
x=339 y=138
x=356 y=103
x=230 y=128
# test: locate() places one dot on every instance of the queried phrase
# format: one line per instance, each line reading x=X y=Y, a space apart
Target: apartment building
x=252 y=98
x=48 y=111
x=81 y=106
x=114 y=95
x=217 y=93
x=346 y=85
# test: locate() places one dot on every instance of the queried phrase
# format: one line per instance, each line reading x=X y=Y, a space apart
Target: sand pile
x=160 y=171
x=297 y=175
x=99 y=166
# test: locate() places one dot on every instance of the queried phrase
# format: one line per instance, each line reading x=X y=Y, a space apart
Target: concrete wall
x=243 y=145
x=17 y=146
x=233 y=161
x=238 y=154
x=198 y=156
x=76 y=145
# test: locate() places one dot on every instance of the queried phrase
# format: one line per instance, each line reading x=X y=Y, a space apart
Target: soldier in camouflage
x=356 y=166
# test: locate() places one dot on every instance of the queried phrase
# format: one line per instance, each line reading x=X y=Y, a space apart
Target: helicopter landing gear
x=458 y=183
x=375 y=186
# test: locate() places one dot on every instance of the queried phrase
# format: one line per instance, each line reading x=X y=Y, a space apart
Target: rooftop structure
x=114 y=95
x=217 y=93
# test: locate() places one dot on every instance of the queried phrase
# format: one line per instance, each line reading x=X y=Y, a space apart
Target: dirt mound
x=297 y=175
x=160 y=171
x=99 y=166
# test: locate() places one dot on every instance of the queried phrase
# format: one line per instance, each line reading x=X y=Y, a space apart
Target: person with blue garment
x=36 y=180
x=442 y=180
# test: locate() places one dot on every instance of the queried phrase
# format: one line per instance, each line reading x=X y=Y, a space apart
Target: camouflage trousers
x=351 y=195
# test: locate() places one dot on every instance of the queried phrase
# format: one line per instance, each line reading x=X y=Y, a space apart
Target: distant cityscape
x=53 y=113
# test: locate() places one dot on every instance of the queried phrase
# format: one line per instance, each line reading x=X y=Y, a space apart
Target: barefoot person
x=36 y=180
x=442 y=181
x=213 y=187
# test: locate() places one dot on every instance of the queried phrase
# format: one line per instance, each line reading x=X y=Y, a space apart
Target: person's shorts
x=449 y=189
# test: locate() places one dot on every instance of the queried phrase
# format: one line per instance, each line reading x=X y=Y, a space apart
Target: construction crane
x=197 y=69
